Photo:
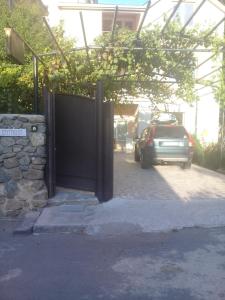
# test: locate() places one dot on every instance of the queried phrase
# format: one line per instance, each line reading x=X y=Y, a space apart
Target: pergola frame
x=171 y=16
x=84 y=35
x=116 y=10
x=192 y=16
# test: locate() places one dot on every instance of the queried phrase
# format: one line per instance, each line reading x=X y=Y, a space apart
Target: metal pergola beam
x=30 y=48
x=206 y=94
x=135 y=48
x=36 y=60
x=103 y=8
x=212 y=30
x=114 y=24
x=171 y=15
x=143 y=19
x=207 y=35
x=84 y=36
x=161 y=15
x=56 y=43
x=192 y=16
x=206 y=60
x=206 y=86
x=142 y=81
x=145 y=11
x=208 y=74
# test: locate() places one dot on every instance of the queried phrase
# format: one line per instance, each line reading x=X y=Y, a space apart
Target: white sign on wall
x=13 y=132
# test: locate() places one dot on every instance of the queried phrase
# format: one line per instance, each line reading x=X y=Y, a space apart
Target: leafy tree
x=16 y=81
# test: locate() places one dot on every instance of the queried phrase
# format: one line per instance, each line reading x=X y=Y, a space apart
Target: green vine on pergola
x=131 y=68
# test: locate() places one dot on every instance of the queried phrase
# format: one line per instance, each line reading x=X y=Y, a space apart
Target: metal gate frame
x=104 y=145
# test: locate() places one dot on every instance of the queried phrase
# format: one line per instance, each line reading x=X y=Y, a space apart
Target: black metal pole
x=143 y=19
x=211 y=31
x=198 y=79
x=85 y=37
x=192 y=16
x=29 y=47
x=171 y=16
x=99 y=142
x=35 y=72
x=114 y=24
x=56 y=43
x=205 y=86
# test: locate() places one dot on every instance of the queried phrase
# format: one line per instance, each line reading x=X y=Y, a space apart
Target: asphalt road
x=180 y=265
x=122 y=258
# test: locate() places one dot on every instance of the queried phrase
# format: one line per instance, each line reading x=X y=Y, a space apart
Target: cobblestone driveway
x=166 y=182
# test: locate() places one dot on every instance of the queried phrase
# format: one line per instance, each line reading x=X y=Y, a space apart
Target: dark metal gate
x=82 y=156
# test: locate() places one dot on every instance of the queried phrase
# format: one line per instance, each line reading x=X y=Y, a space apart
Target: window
x=129 y=25
x=124 y=20
x=106 y=25
x=184 y=12
x=170 y=132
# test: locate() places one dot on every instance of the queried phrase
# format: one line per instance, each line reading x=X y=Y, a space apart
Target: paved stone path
x=165 y=182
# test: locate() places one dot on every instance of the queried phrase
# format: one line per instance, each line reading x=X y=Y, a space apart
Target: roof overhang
x=100 y=7
x=70 y=5
x=126 y=109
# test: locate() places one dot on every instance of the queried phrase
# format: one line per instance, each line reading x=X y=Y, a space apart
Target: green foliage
x=198 y=157
x=16 y=81
x=212 y=156
x=131 y=72
x=209 y=156
x=16 y=88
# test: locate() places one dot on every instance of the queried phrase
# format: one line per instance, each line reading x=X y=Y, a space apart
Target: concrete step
x=63 y=219
x=72 y=197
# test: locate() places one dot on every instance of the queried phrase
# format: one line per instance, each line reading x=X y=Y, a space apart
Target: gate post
x=104 y=144
x=49 y=99
x=108 y=133
x=99 y=141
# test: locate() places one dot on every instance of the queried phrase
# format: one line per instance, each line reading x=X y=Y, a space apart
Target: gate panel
x=75 y=142
x=83 y=144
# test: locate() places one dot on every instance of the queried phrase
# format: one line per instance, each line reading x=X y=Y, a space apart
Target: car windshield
x=170 y=132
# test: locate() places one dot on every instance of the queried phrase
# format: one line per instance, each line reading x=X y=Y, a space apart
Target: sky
x=116 y=2
x=121 y=2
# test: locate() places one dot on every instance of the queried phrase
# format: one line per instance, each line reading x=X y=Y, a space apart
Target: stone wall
x=22 y=164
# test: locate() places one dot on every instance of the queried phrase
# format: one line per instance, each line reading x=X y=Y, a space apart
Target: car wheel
x=136 y=155
x=144 y=163
x=186 y=165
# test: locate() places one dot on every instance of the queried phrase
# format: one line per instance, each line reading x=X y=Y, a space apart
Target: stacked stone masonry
x=22 y=164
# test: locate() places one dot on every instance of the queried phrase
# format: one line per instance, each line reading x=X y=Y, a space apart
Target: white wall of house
x=92 y=23
x=72 y=23
x=206 y=124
